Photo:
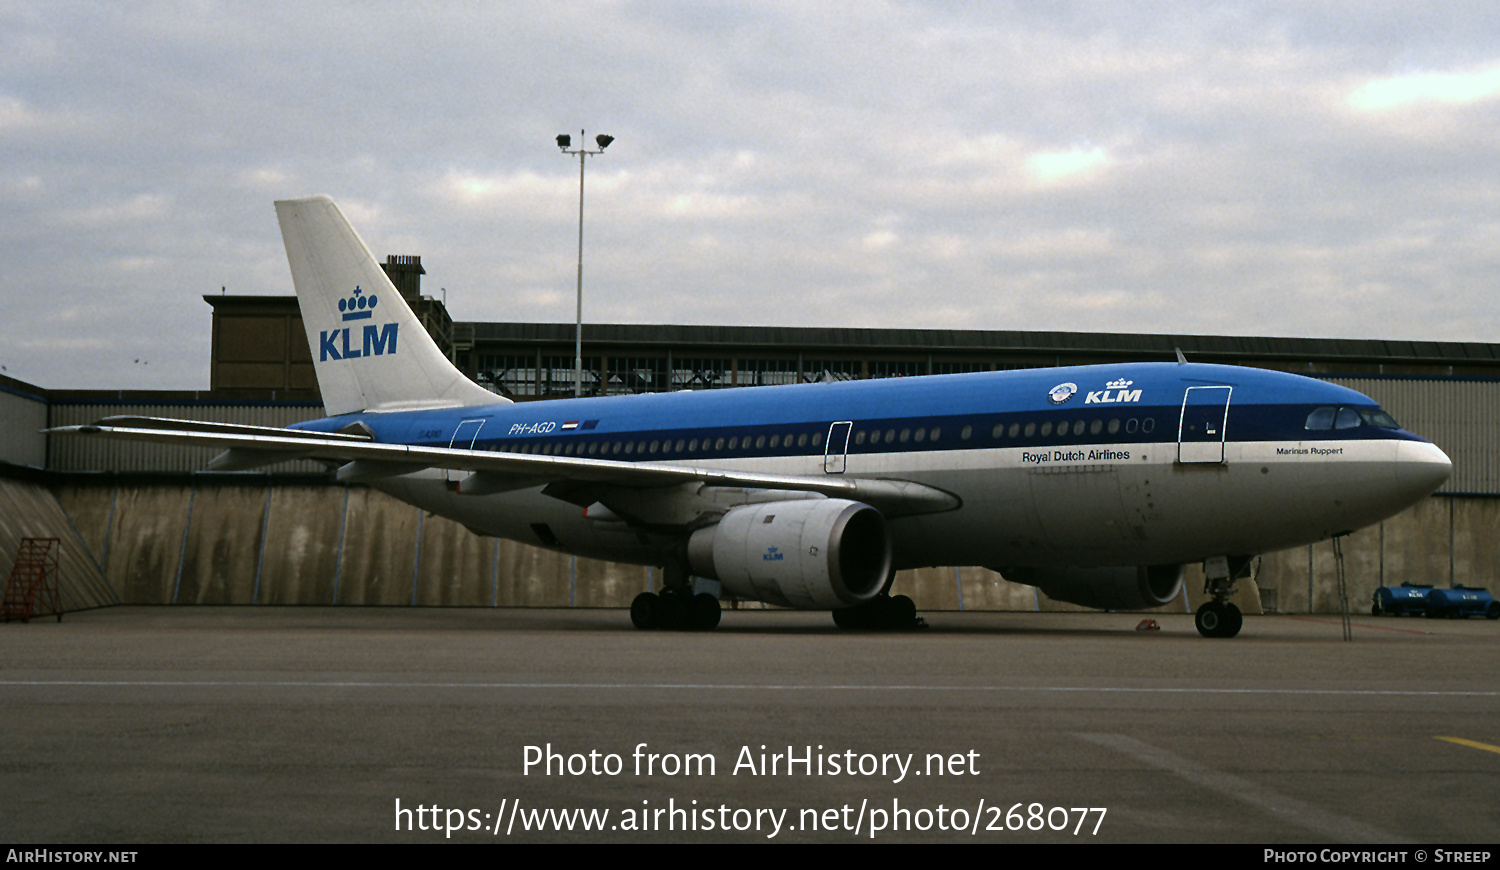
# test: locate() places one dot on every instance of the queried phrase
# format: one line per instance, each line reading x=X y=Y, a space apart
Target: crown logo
x=358 y=306
x=1118 y=385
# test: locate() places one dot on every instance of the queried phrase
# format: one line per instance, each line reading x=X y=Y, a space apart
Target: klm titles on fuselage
x=1121 y=393
x=374 y=340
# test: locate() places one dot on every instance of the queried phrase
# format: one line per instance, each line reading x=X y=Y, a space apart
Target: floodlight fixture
x=564 y=141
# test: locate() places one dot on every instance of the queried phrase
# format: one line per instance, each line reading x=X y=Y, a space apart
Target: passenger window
x=1030 y=429
x=1078 y=427
x=1348 y=418
x=859 y=438
x=937 y=432
x=966 y=431
x=1096 y=427
x=1320 y=420
x=1046 y=428
x=890 y=436
x=1015 y=429
x=999 y=427
x=817 y=439
x=802 y=440
x=760 y=442
x=1114 y=425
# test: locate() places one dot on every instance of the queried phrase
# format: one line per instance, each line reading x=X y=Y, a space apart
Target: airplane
x=1096 y=484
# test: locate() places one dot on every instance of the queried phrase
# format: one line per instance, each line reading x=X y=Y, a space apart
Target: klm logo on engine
x=373 y=340
x=772 y=554
x=1120 y=393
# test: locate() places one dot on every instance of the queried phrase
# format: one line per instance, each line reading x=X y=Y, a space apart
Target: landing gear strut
x=676 y=608
x=1219 y=618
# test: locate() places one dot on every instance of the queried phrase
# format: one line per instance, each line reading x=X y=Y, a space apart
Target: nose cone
x=1420 y=469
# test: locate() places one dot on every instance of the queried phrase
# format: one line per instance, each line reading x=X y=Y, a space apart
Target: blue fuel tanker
x=1408 y=598
x=1461 y=601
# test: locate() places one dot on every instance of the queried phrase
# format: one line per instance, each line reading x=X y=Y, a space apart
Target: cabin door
x=838 y=446
x=463 y=439
x=1200 y=429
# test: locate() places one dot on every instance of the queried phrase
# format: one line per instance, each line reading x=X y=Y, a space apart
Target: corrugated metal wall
x=1462 y=416
x=82 y=453
x=22 y=417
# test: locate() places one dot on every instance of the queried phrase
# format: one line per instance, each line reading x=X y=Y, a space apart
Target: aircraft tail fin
x=369 y=350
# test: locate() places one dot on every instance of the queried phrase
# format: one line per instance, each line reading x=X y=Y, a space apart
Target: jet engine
x=814 y=554
x=1125 y=587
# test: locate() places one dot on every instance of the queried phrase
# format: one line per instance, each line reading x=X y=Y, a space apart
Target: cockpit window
x=1331 y=417
x=1321 y=419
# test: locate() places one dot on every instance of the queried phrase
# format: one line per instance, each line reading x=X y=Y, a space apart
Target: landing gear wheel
x=645 y=611
x=1219 y=619
x=883 y=612
x=1234 y=620
x=703 y=612
x=675 y=610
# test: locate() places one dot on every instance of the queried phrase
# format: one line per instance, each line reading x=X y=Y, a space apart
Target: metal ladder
x=32 y=590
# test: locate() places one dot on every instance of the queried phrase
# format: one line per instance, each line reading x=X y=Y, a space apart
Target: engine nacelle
x=816 y=554
x=1127 y=587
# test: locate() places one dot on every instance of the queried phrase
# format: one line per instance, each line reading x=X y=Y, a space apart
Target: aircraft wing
x=571 y=478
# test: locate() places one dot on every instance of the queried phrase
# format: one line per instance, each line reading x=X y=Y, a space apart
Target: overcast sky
x=1300 y=169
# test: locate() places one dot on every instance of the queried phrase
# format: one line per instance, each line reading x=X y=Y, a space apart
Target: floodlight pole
x=583 y=154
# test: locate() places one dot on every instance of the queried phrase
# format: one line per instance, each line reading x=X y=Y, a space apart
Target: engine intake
x=815 y=554
x=1124 y=587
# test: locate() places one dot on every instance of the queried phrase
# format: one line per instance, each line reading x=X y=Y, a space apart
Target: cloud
x=1073 y=166
x=1428 y=89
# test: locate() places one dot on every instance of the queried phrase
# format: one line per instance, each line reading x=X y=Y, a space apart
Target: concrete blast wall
x=303 y=543
x=28 y=510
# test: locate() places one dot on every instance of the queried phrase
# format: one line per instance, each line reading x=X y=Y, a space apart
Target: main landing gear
x=676 y=608
x=1219 y=618
x=884 y=612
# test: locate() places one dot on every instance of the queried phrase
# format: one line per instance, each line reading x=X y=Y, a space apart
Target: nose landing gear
x=1219 y=618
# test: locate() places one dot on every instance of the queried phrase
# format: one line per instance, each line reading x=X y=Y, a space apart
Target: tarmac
x=425 y=725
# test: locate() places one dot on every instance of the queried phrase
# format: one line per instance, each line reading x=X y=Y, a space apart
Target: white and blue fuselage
x=1104 y=465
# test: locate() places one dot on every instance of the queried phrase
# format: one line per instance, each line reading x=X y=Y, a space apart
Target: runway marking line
x=774 y=687
x=1472 y=744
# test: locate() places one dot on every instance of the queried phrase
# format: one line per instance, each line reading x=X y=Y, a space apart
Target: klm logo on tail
x=375 y=340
